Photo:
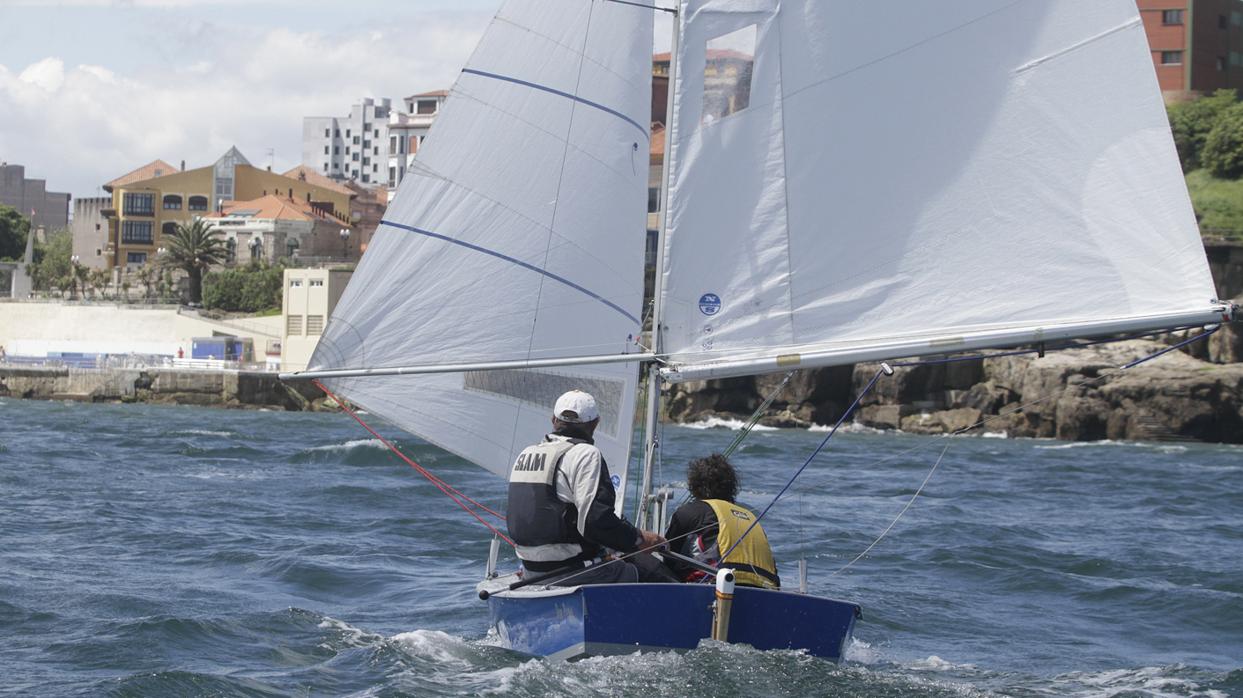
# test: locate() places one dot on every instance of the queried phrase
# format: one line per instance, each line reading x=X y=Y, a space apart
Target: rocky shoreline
x=1078 y=394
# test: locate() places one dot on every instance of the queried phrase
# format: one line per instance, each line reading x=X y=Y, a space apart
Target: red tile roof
x=308 y=174
x=151 y=170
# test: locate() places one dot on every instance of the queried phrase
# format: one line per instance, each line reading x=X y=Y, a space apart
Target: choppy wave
x=725 y=423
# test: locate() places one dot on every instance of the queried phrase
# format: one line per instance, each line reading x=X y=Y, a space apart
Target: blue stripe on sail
x=559 y=93
x=519 y=262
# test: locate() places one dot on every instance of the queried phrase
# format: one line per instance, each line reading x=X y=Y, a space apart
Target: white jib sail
x=864 y=180
x=517 y=235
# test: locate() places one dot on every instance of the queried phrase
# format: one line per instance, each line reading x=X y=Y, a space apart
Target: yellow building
x=149 y=202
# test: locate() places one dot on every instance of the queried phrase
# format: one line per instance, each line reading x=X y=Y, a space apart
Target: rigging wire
x=451 y=492
x=1018 y=408
x=884 y=370
x=893 y=523
x=755 y=416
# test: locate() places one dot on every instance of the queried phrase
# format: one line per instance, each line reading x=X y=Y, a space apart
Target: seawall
x=232 y=389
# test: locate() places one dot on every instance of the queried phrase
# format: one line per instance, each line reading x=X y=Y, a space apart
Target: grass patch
x=1218 y=204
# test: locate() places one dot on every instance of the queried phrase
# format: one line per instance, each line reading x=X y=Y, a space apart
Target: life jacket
x=752 y=560
x=536 y=516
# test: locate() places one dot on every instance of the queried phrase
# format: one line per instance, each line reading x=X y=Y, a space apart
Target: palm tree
x=194 y=248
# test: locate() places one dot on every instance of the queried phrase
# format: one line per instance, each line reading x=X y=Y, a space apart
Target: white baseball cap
x=576 y=407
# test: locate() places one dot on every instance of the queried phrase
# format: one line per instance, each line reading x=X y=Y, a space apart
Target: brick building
x=1197 y=45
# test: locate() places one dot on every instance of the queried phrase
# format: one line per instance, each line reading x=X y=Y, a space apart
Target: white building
x=309 y=298
x=353 y=147
x=374 y=145
x=406 y=132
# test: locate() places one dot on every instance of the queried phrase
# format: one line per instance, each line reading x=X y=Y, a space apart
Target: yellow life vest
x=752 y=560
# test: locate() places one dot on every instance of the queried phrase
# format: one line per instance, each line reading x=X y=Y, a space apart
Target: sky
x=91 y=89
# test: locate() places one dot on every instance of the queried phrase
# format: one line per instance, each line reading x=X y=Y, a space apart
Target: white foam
x=851 y=428
x=353 y=637
x=202 y=432
x=439 y=647
x=350 y=445
x=935 y=663
x=724 y=423
x=994 y=435
x=1151 y=681
x=861 y=652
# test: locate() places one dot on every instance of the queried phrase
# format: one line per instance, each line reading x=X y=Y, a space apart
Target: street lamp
x=345 y=243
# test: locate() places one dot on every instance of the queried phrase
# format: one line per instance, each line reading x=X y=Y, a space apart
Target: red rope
x=449 y=490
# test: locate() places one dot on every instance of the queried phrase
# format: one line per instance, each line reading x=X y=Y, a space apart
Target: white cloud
x=79 y=127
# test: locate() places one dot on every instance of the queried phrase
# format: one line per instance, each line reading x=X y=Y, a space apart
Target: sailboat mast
x=652 y=414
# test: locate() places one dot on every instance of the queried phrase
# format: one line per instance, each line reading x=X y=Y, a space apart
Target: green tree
x=1223 y=148
x=1191 y=123
x=14 y=227
x=194 y=248
x=251 y=289
x=52 y=268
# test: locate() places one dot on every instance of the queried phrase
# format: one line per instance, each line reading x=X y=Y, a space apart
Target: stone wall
x=235 y=389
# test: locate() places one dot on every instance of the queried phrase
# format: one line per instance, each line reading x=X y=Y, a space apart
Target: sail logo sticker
x=709 y=304
x=616 y=480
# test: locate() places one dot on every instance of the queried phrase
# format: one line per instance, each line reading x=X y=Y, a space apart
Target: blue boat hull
x=622 y=618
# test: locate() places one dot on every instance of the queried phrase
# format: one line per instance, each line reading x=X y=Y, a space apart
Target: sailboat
x=843 y=181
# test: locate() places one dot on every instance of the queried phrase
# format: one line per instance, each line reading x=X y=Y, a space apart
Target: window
x=198 y=203
x=392 y=144
x=325 y=167
x=136 y=232
x=336 y=133
x=375 y=168
x=1221 y=64
x=366 y=127
x=653 y=199
x=356 y=140
x=168 y=229
x=326 y=150
x=295 y=283
x=347 y=133
x=336 y=165
x=366 y=144
x=336 y=150
x=375 y=150
x=727 y=74
x=426 y=106
x=138 y=204
x=1172 y=17
x=293 y=324
x=354 y=174
x=376 y=134
x=392 y=176
x=366 y=161
x=317 y=282
x=1171 y=58
x=314 y=324
x=347 y=150
x=354 y=157
x=172 y=202
x=135 y=257
x=366 y=178
x=327 y=133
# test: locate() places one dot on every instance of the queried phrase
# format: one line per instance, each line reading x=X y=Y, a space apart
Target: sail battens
x=484 y=265
x=519 y=262
x=848 y=353
x=465 y=367
x=560 y=93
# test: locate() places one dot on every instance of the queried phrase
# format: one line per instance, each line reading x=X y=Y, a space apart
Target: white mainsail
x=893 y=179
x=517 y=235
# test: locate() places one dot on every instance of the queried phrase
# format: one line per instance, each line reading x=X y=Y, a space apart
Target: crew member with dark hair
x=712 y=523
x=561 y=503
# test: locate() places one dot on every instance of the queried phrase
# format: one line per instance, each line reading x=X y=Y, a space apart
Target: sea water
x=152 y=550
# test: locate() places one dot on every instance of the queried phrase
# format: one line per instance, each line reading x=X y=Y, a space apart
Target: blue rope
x=850 y=410
x=1176 y=347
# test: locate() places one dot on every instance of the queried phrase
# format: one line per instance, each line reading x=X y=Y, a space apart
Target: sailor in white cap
x=561 y=502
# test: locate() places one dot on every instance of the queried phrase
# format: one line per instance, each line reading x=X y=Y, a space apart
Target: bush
x=1223 y=148
x=251 y=289
x=1191 y=123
